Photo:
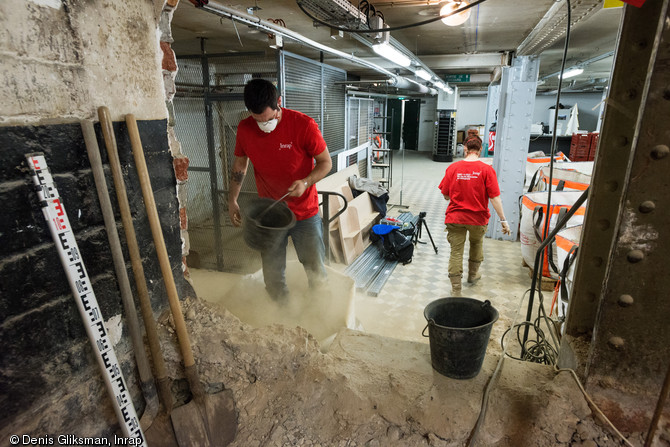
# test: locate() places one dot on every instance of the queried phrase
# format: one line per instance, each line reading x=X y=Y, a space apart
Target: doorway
x=410 y=127
x=395 y=112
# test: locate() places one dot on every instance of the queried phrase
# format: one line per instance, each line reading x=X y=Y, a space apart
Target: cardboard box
x=478 y=128
x=460 y=136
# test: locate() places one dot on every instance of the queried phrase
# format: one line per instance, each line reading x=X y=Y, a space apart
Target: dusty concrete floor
x=372 y=390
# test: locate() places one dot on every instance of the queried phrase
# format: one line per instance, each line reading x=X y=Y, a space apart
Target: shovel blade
x=210 y=421
x=161 y=433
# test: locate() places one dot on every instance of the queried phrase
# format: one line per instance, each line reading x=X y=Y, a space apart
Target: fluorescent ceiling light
x=449 y=90
x=571 y=72
x=423 y=74
x=439 y=84
x=456 y=19
x=387 y=51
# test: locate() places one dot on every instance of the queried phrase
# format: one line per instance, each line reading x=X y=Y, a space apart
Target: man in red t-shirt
x=468 y=185
x=290 y=155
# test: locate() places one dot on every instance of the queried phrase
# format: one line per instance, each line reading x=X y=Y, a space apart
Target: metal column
x=492 y=104
x=213 y=183
x=621 y=282
x=515 y=115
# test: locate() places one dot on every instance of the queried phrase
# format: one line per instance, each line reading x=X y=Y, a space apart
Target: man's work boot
x=456 y=287
x=473 y=272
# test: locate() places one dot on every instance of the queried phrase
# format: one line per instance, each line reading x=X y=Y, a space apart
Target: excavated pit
x=369 y=390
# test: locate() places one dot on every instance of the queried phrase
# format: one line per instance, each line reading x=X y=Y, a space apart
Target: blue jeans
x=307 y=236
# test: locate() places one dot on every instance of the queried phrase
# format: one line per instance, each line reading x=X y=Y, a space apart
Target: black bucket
x=264 y=235
x=458 y=331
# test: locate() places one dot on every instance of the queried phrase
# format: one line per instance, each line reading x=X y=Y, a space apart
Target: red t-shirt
x=469 y=185
x=283 y=156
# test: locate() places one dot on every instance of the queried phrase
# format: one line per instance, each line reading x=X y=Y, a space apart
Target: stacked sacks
x=532 y=230
x=566 y=177
x=536 y=160
x=567 y=242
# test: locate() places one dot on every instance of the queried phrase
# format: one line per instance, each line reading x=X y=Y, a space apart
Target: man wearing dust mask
x=289 y=155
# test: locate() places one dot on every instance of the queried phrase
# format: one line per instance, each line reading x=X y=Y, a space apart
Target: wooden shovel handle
x=159 y=242
x=131 y=240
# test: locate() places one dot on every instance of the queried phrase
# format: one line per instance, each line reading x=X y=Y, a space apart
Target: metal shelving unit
x=445 y=138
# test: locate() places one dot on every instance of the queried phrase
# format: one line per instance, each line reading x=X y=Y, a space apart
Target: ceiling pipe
x=408 y=84
x=365 y=82
x=248 y=19
x=397 y=82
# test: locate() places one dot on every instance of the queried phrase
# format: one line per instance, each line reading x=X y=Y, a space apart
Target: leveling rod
x=80 y=284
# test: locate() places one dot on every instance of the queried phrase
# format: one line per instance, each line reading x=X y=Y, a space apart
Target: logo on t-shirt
x=286 y=145
x=468 y=175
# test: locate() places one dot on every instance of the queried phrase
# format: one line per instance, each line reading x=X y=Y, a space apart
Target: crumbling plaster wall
x=60 y=61
x=63 y=59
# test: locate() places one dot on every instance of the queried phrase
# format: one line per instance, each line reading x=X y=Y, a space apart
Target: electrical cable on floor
x=395 y=28
x=593 y=405
x=551 y=357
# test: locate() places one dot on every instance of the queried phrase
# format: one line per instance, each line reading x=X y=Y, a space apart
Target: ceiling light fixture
x=387 y=51
x=571 y=73
x=456 y=19
x=423 y=74
x=439 y=84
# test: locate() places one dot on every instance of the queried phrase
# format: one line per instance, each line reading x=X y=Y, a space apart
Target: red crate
x=579 y=139
x=593 y=145
x=579 y=146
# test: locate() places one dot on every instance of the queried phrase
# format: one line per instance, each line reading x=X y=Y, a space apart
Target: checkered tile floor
x=398 y=309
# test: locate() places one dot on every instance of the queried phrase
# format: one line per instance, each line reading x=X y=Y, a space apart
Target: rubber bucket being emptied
x=265 y=235
x=458 y=331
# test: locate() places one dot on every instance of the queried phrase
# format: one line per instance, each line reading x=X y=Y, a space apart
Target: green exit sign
x=457 y=78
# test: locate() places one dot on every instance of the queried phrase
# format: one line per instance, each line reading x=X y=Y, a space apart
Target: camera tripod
x=417 y=231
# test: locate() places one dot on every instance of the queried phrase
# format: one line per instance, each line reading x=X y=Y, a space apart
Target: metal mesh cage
x=302 y=87
x=210 y=149
x=310 y=87
x=360 y=121
x=333 y=106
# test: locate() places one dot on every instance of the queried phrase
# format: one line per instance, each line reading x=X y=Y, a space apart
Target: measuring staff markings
x=66 y=244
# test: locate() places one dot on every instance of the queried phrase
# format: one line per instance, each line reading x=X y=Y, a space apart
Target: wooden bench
x=349 y=233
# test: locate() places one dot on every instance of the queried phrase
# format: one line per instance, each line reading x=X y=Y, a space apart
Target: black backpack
x=393 y=244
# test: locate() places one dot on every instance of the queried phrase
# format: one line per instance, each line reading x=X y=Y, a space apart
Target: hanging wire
x=237 y=32
x=552 y=151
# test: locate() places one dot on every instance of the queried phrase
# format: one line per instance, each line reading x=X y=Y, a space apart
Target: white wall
x=588 y=119
x=472 y=109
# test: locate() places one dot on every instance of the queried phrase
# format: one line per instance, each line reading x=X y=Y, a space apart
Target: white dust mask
x=268 y=126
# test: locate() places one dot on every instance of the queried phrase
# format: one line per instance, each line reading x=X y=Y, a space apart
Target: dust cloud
x=322 y=312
